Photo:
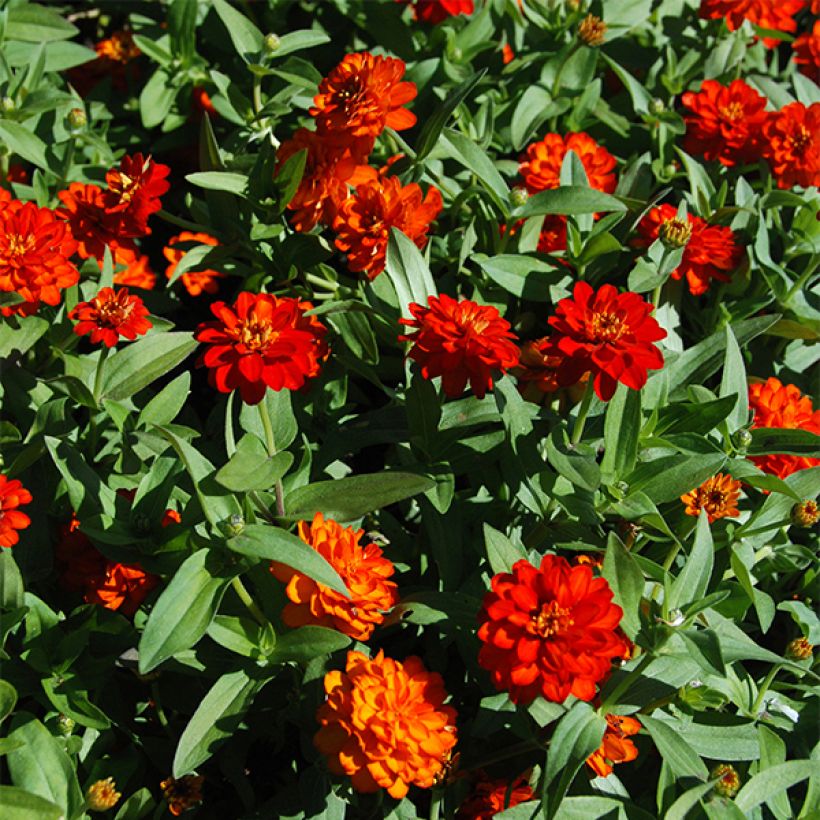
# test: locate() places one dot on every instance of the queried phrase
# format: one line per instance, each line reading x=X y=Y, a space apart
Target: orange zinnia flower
x=195 y=282
x=118 y=48
x=711 y=251
x=807 y=52
x=35 y=247
x=491 y=797
x=12 y=495
x=363 y=569
x=717 y=495
x=541 y=164
x=384 y=724
x=783 y=406
x=549 y=631
x=609 y=334
x=792 y=145
x=122 y=587
x=436 y=11
x=183 y=793
x=364 y=220
x=134 y=191
x=137 y=272
x=262 y=341
x=777 y=15
x=616 y=747
x=362 y=96
x=461 y=341
x=725 y=122
x=111 y=314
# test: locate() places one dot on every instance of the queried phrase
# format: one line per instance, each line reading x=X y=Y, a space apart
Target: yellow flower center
x=675 y=232
x=254 y=334
x=732 y=112
x=801 y=140
x=113 y=312
x=551 y=619
x=20 y=245
x=715 y=501
x=606 y=327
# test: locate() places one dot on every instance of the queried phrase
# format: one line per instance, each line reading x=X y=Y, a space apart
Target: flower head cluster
x=550 y=630
x=12 y=495
x=461 y=341
x=384 y=724
x=195 y=282
x=261 y=341
x=616 y=747
x=110 y=315
x=712 y=252
x=792 y=145
x=182 y=793
x=717 y=495
x=776 y=15
x=364 y=571
x=491 y=797
x=807 y=52
x=437 y=11
x=782 y=406
x=609 y=334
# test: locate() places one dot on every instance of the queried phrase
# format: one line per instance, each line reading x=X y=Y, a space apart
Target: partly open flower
x=541 y=164
x=712 y=251
x=110 y=315
x=363 y=569
x=102 y=795
x=807 y=52
x=121 y=587
x=362 y=96
x=491 y=797
x=134 y=191
x=608 y=334
x=724 y=122
x=261 y=341
x=182 y=793
x=137 y=272
x=437 y=11
x=777 y=15
x=12 y=495
x=782 y=406
x=792 y=145
x=384 y=724
x=550 y=630
x=461 y=341
x=717 y=495
x=35 y=247
x=364 y=220
x=198 y=281
x=616 y=747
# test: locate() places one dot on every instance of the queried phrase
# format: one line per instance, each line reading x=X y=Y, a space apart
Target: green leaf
x=523 y=276
x=641 y=98
x=794 y=441
x=69 y=699
x=299 y=41
x=11 y=582
x=86 y=490
x=182 y=28
x=245 y=36
x=693 y=581
x=626 y=580
x=682 y=759
x=347 y=499
x=289 y=176
x=464 y=151
x=306 y=643
x=569 y=200
x=144 y=361
x=137 y=806
x=274 y=544
x=408 y=272
x=534 y=106
x=770 y=782
x=251 y=468
x=21 y=335
x=23 y=142
x=182 y=613
x=733 y=383
x=681 y=808
x=18 y=804
x=157 y=98
x=501 y=552
x=805 y=618
x=216 y=718
x=166 y=405
x=622 y=426
x=220 y=181
x=665 y=479
x=704 y=647
x=36 y=24
x=581 y=470
x=8 y=697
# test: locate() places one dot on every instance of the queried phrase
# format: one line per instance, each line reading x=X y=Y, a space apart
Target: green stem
x=180 y=222
x=804 y=277
x=623 y=687
x=581 y=418
x=435 y=802
x=253 y=608
x=270 y=443
x=511 y=751
x=98 y=375
x=764 y=687
x=656 y=295
x=257 y=94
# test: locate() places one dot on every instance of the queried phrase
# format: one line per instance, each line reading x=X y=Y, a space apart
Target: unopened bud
x=519 y=197
x=675 y=232
x=235 y=524
x=7 y=104
x=806 y=513
x=65 y=725
x=272 y=43
x=76 y=119
x=670 y=169
x=657 y=106
x=799 y=649
x=742 y=439
x=102 y=795
x=592 y=31
x=728 y=781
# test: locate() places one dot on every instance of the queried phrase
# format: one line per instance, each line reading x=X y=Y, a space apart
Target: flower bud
x=657 y=106
x=65 y=725
x=76 y=119
x=805 y=514
x=518 y=197
x=592 y=31
x=728 y=780
x=235 y=524
x=272 y=43
x=7 y=104
x=102 y=795
x=799 y=649
x=675 y=232
x=742 y=439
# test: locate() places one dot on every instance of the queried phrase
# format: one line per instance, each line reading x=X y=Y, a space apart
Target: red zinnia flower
x=461 y=342
x=195 y=282
x=436 y=11
x=616 y=747
x=364 y=220
x=262 y=341
x=134 y=191
x=12 y=495
x=777 y=405
x=792 y=145
x=91 y=225
x=362 y=96
x=111 y=314
x=550 y=631
x=541 y=165
x=35 y=247
x=491 y=797
x=711 y=251
x=807 y=52
x=609 y=334
x=725 y=122
x=137 y=272
x=183 y=793
x=777 y=15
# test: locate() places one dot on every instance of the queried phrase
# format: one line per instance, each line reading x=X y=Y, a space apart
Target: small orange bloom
x=362 y=96
x=491 y=797
x=717 y=495
x=792 y=145
x=12 y=495
x=363 y=569
x=134 y=191
x=137 y=272
x=799 y=649
x=777 y=15
x=122 y=587
x=783 y=406
x=541 y=164
x=807 y=52
x=436 y=11
x=728 y=780
x=201 y=101
x=102 y=795
x=384 y=724
x=183 y=793
x=364 y=220
x=111 y=314
x=118 y=48
x=616 y=747
x=195 y=282
x=507 y=54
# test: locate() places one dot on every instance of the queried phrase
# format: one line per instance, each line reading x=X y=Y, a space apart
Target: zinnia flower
x=777 y=15
x=35 y=247
x=91 y=225
x=792 y=145
x=711 y=251
x=121 y=587
x=118 y=48
x=363 y=221
x=261 y=341
x=137 y=272
x=717 y=495
x=12 y=495
x=728 y=780
x=436 y=11
x=807 y=52
x=183 y=793
x=491 y=797
x=549 y=631
x=609 y=334
x=782 y=406
x=616 y=747
x=384 y=724
x=363 y=569
x=541 y=164
x=102 y=795
x=725 y=121
x=110 y=315
x=195 y=282
x=134 y=191
x=461 y=342
x=362 y=96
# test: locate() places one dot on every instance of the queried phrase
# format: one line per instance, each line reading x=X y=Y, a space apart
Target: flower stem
x=270 y=443
x=180 y=222
x=98 y=375
x=435 y=802
x=253 y=608
x=764 y=687
x=257 y=94
x=624 y=686
x=581 y=418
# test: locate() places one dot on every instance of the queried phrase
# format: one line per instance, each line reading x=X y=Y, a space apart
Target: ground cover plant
x=407 y=409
